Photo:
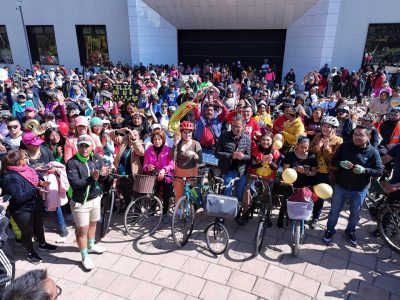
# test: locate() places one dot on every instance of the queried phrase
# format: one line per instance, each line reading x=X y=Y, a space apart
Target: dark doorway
x=251 y=47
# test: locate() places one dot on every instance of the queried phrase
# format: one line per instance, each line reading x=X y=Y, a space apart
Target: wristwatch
x=308 y=173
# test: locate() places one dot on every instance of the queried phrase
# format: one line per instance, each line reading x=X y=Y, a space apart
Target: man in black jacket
x=234 y=151
x=84 y=171
x=356 y=162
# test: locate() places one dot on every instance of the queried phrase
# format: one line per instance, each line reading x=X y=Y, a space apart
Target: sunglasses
x=12 y=127
x=120 y=134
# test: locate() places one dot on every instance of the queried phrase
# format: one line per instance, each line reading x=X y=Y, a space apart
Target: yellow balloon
x=289 y=175
x=277 y=144
x=278 y=136
x=323 y=190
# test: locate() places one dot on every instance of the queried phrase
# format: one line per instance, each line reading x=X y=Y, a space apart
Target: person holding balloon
x=324 y=146
x=304 y=164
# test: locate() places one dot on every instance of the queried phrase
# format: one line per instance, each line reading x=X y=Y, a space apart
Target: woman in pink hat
x=70 y=148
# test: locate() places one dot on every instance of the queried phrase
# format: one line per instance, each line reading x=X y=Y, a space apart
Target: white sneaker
x=97 y=249
x=88 y=263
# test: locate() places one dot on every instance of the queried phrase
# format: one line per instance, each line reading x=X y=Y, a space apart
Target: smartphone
x=6 y=198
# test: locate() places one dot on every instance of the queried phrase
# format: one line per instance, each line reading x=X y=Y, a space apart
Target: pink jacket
x=163 y=161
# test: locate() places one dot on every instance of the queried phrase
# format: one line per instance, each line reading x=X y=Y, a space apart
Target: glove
x=359 y=169
x=345 y=164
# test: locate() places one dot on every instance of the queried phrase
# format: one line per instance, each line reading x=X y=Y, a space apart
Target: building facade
x=299 y=34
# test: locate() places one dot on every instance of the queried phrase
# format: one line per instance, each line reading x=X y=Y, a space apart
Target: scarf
x=27 y=172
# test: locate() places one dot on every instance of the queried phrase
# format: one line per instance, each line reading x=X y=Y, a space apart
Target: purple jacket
x=162 y=161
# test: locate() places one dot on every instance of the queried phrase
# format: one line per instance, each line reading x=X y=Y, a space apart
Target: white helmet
x=330 y=121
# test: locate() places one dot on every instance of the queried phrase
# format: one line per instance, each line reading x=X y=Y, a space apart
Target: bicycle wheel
x=258 y=239
x=217 y=238
x=297 y=234
x=182 y=221
x=106 y=213
x=389 y=226
x=143 y=216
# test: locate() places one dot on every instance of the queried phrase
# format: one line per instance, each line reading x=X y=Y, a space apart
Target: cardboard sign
x=125 y=92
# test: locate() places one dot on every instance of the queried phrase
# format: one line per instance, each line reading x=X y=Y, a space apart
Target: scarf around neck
x=27 y=172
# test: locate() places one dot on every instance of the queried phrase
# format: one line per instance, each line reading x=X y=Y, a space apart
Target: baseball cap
x=30 y=108
x=50 y=115
x=155 y=126
x=30 y=138
x=84 y=139
x=22 y=95
x=81 y=121
x=74 y=112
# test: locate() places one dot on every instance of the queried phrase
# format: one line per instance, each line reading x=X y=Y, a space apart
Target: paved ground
x=153 y=268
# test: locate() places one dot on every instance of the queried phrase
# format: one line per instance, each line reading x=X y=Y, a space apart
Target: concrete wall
x=153 y=39
x=352 y=28
x=64 y=15
x=310 y=40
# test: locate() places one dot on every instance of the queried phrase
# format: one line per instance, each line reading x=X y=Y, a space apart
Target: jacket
x=292 y=130
x=136 y=156
x=256 y=165
x=24 y=196
x=84 y=187
x=367 y=157
x=227 y=144
x=324 y=155
x=161 y=161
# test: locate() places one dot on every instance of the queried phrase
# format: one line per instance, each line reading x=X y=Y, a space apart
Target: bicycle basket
x=299 y=210
x=216 y=205
x=144 y=184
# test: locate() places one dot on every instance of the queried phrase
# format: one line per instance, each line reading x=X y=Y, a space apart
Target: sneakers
x=97 y=249
x=48 y=247
x=34 y=258
x=351 y=237
x=88 y=263
x=313 y=223
x=327 y=237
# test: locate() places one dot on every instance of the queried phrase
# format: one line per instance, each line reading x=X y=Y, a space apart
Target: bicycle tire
x=216 y=234
x=106 y=215
x=143 y=216
x=186 y=218
x=259 y=239
x=296 y=246
x=387 y=218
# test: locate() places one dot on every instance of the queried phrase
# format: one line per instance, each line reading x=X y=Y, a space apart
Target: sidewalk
x=153 y=268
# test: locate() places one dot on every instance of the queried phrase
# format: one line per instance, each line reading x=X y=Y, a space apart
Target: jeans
x=339 y=197
x=239 y=185
x=60 y=219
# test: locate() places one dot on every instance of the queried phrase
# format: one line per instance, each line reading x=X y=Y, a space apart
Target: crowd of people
x=63 y=132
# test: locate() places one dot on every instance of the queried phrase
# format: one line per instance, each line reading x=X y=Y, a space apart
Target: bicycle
x=257 y=189
x=143 y=215
x=386 y=213
x=108 y=202
x=298 y=213
x=216 y=234
x=217 y=237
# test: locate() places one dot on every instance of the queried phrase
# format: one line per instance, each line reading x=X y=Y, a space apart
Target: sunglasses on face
x=120 y=134
x=12 y=127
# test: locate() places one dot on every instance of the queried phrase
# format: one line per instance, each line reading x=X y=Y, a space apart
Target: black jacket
x=367 y=157
x=24 y=196
x=82 y=183
x=227 y=144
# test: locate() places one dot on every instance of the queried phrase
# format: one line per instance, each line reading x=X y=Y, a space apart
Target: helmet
x=330 y=121
x=395 y=109
x=186 y=125
x=96 y=121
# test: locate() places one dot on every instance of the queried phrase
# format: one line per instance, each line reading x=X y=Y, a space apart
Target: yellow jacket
x=292 y=130
x=264 y=120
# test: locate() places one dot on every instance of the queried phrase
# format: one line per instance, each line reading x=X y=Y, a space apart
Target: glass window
x=383 y=45
x=42 y=43
x=5 y=50
x=92 y=43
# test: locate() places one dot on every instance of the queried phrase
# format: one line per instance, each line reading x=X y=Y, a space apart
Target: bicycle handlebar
x=184 y=177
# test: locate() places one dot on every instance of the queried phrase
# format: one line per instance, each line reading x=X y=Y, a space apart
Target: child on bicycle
x=263 y=163
x=305 y=165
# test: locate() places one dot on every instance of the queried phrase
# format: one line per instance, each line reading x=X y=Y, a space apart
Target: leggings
x=30 y=223
x=166 y=188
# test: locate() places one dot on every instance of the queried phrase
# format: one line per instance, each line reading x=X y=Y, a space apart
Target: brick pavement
x=153 y=268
